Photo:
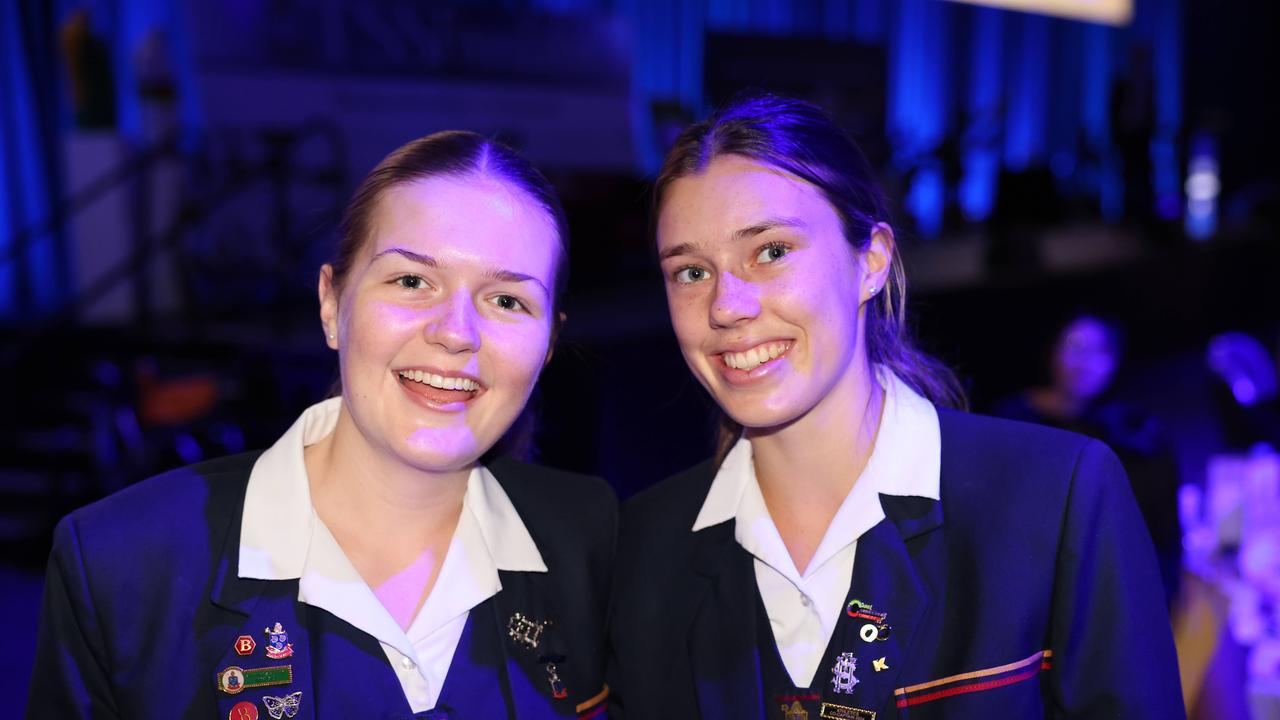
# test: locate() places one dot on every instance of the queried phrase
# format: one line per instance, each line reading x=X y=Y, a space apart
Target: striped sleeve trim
x=976 y=681
x=593 y=706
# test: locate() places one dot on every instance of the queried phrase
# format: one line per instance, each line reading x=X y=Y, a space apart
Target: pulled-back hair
x=452 y=153
x=802 y=140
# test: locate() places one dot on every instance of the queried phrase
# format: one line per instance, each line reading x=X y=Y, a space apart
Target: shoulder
x=670 y=505
x=539 y=485
x=1024 y=465
x=657 y=523
x=161 y=512
x=549 y=498
x=995 y=444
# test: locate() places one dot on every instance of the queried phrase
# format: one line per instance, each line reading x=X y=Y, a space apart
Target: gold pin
x=879 y=665
x=525 y=631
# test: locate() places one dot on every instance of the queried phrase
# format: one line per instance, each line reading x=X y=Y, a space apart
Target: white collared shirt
x=282 y=538
x=803 y=609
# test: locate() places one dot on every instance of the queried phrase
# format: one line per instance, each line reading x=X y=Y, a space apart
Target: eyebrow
x=492 y=274
x=745 y=233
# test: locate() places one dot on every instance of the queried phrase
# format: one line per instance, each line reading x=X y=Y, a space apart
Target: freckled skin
x=811 y=296
x=450 y=318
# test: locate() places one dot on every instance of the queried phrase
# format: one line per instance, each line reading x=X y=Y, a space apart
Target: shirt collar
x=276 y=526
x=906 y=460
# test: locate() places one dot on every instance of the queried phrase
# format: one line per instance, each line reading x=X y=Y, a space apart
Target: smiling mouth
x=439 y=392
x=440 y=382
x=756 y=356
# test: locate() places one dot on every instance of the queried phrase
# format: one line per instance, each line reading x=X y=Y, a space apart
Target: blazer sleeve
x=1111 y=638
x=70 y=677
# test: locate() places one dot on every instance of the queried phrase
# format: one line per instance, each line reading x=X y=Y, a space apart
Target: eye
x=690 y=274
x=771 y=252
x=509 y=302
x=411 y=282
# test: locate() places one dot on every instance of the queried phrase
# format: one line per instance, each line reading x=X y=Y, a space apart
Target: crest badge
x=278 y=645
x=842 y=679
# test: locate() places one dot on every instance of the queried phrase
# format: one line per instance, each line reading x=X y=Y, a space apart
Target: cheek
x=376 y=329
x=516 y=350
x=688 y=315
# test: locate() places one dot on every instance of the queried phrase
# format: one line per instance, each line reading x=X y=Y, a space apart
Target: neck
x=393 y=521
x=379 y=492
x=807 y=467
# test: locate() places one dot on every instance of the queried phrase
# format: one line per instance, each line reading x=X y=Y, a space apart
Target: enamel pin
x=871 y=631
x=558 y=690
x=863 y=611
x=794 y=712
x=285 y=706
x=842 y=679
x=234 y=680
x=245 y=645
x=278 y=645
x=525 y=631
x=243 y=711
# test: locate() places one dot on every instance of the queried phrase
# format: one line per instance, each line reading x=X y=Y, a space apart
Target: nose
x=453 y=324
x=735 y=301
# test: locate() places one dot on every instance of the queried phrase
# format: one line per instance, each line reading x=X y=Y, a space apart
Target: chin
x=758 y=416
x=443 y=450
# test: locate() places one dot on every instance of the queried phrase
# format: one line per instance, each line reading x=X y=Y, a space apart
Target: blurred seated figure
x=1250 y=406
x=1085 y=356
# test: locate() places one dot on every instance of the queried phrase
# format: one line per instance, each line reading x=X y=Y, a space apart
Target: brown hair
x=799 y=138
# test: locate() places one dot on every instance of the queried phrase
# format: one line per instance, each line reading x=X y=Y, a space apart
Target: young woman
x=368 y=564
x=859 y=549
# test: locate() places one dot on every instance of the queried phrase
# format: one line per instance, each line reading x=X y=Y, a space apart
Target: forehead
x=472 y=218
x=735 y=192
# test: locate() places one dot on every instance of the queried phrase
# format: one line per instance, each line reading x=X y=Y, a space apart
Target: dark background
x=173 y=172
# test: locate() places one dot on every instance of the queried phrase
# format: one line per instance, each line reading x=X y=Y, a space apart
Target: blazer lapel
x=885 y=576
x=537 y=666
x=279 y=675
x=722 y=638
x=245 y=673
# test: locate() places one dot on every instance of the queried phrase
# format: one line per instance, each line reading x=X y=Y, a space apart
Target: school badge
x=842 y=679
x=278 y=645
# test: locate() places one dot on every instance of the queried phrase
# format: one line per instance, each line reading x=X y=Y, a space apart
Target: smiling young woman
x=369 y=564
x=859 y=547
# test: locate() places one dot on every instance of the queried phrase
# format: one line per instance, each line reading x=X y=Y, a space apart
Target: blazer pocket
x=977 y=681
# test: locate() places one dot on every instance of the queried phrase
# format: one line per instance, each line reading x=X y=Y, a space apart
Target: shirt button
x=805 y=601
x=406 y=663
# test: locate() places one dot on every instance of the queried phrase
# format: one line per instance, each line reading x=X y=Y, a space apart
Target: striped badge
x=976 y=681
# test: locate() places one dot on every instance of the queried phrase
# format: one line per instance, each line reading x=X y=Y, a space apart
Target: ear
x=328 y=306
x=877 y=260
x=556 y=325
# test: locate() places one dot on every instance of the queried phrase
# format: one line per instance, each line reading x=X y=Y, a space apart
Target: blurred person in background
x=381 y=559
x=859 y=547
x=1086 y=354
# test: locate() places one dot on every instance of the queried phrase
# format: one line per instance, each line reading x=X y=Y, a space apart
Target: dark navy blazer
x=1036 y=545
x=143 y=606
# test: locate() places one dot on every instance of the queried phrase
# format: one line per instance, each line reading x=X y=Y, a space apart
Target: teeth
x=756 y=356
x=437 y=381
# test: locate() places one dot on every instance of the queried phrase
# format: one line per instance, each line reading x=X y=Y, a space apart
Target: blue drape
x=32 y=249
